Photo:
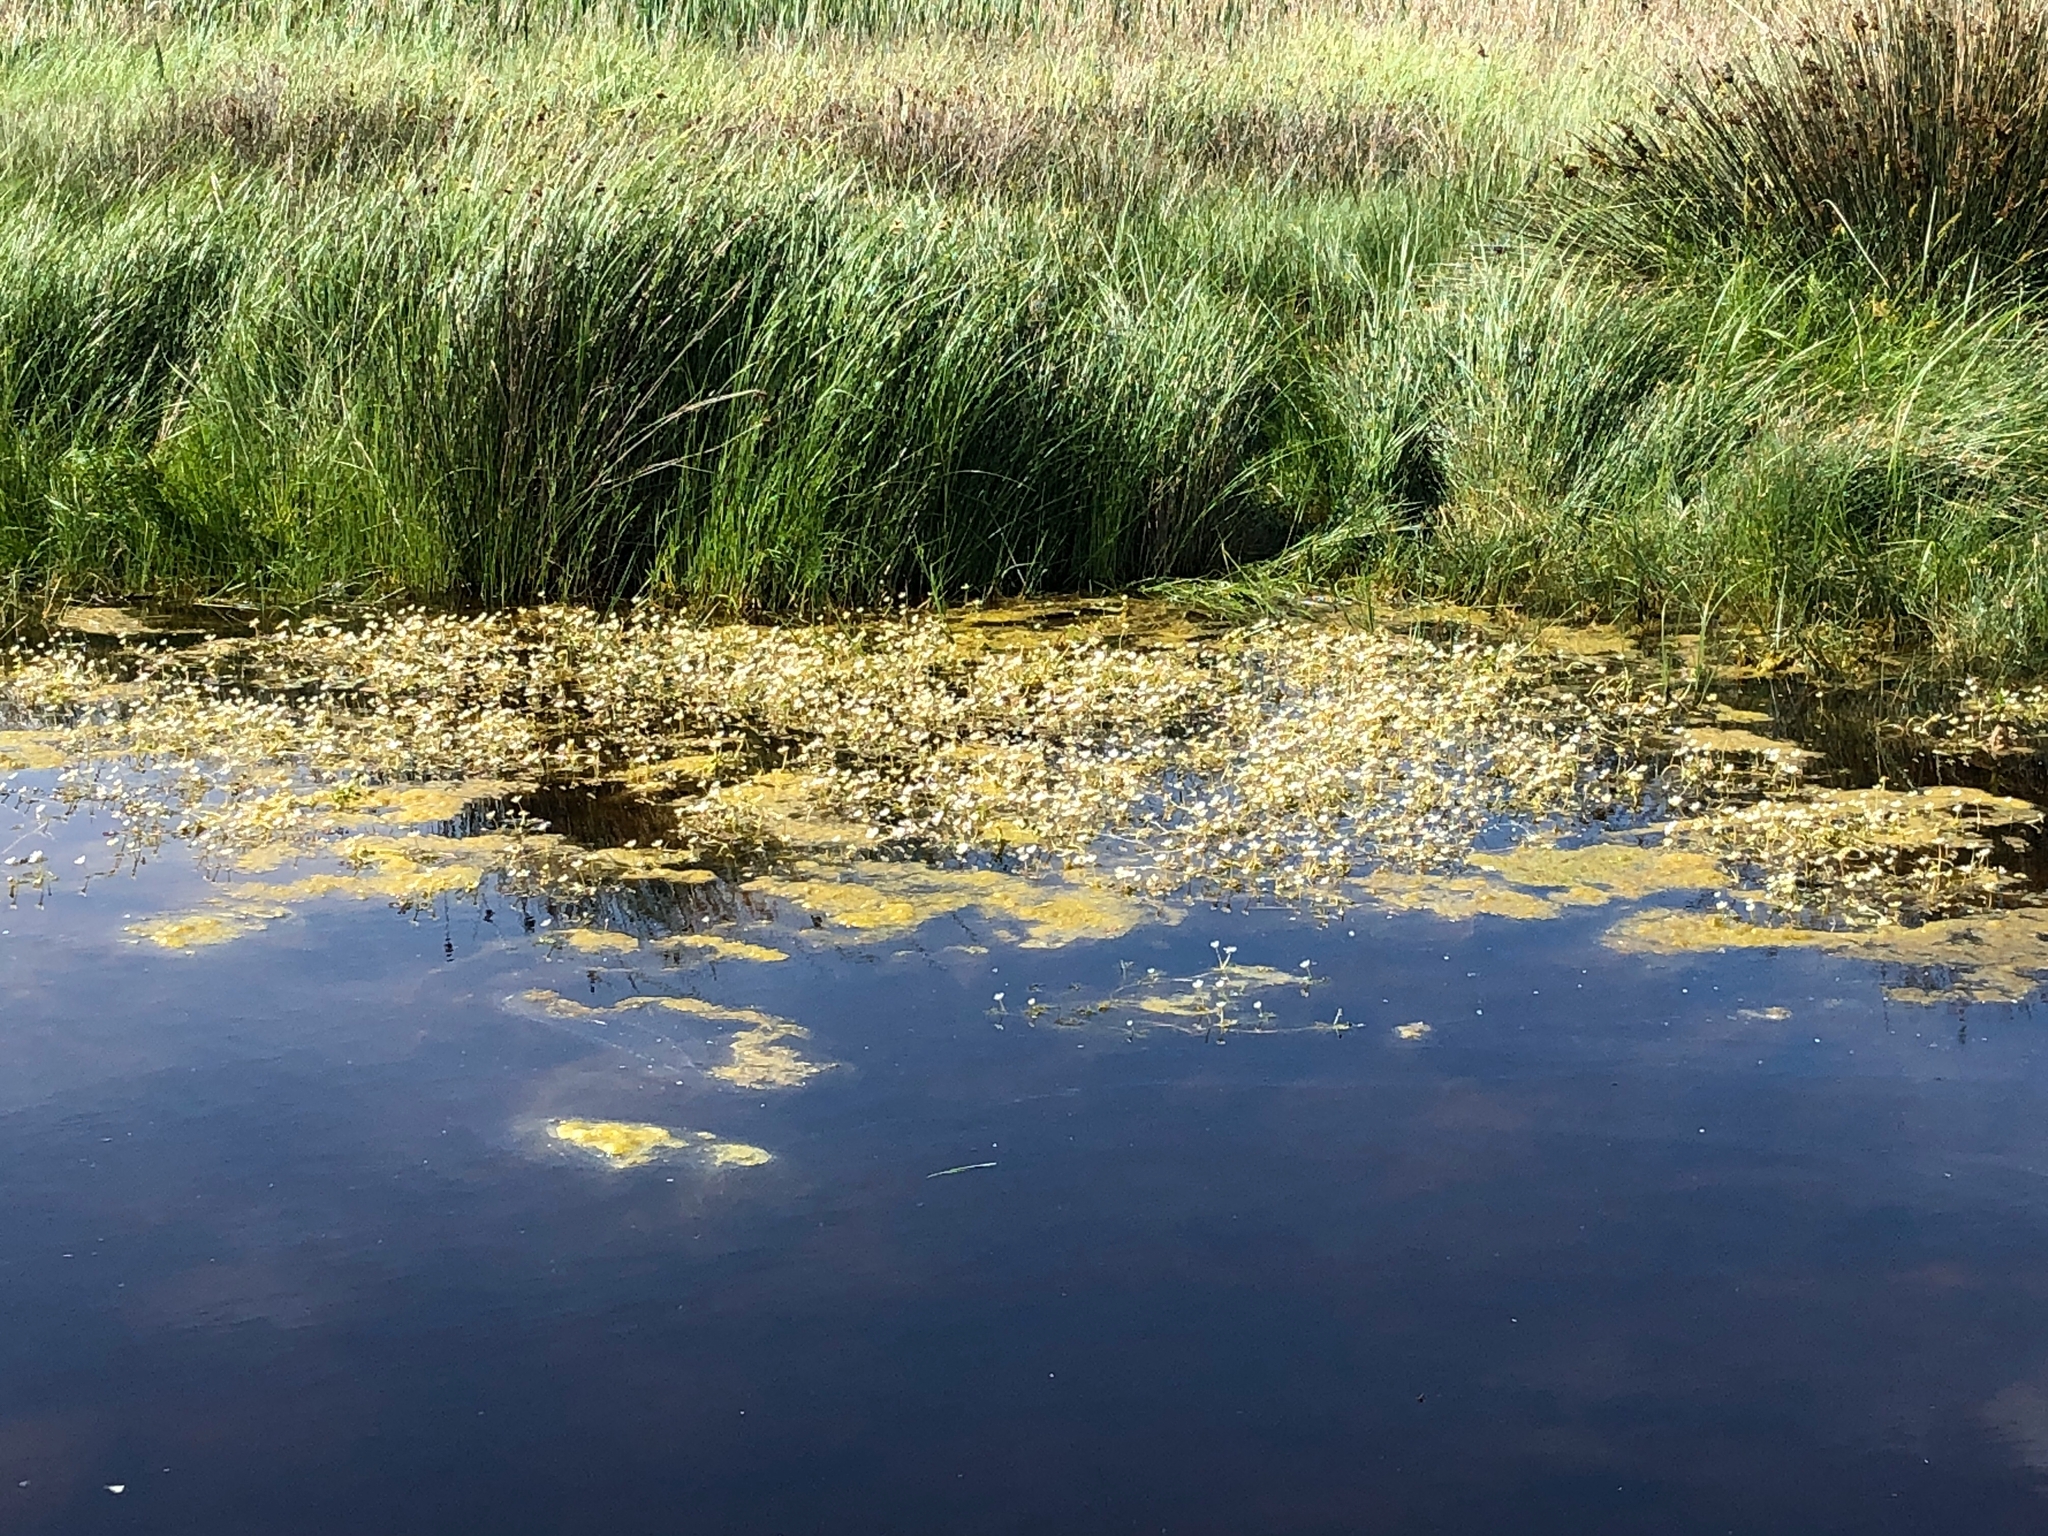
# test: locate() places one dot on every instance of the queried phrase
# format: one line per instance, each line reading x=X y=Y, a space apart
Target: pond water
x=454 y=1075
x=1620 y=1242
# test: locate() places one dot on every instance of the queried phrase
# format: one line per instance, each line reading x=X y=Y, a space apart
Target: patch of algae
x=32 y=750
x=698 y=766
x=1867 y=856
x=1180 y=1005
x=672 y=865
x=1991 y=957
x=1862 y=859
x=413 y=869
x=758 y=1057
x=596 y=941
x=410 y=870
x=782 y=806
x=697 y=1007
x=557 y=1006
x=735 y=1154
x=627 y=1143
x=1946 y=815
x=1615 y=870
x=760 y=1060
x=420 y=804
x=717 y=948
x=1458 y=896
x=887 y=900
x=261 y=832
x=109 y=622
x=1239 y=977
x=1831 y=844
x=630 y=1144
x=205 y=929
x=1540 y=880
x=1734 y=739
x=1227 y=996
x=1585 y=640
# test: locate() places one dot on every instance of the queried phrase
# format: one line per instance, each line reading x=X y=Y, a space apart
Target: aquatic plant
x=1045 y=776
x=1277 y=757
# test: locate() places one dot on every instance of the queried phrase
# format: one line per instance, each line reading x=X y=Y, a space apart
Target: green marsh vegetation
x=1661 y=312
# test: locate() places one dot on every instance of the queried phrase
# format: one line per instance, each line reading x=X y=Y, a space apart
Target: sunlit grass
x=795 y=307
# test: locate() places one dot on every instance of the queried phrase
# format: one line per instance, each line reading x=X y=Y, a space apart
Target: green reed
x=792 y=308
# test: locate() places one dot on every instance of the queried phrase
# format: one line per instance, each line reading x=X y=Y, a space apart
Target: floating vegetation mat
x=1276 y=757
x=627 y=1144
x=1064 y=773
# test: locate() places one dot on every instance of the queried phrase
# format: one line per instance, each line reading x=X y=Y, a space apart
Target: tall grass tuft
x=1907 y=137
x=761 y=397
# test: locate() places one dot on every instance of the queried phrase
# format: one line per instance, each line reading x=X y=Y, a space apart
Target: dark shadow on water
x=1865 y=736
x=591 y=815
x=1868 y=736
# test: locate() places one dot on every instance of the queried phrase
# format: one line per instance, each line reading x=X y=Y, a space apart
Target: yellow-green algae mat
x=1061 y=775
x=763 y=1054
x=628 y=1144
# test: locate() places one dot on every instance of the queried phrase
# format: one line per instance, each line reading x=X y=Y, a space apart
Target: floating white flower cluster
x=1122 y=742
x=1277 y=757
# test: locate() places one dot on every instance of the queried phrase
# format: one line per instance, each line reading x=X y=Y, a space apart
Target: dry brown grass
x=252 y=124
x=968 y=141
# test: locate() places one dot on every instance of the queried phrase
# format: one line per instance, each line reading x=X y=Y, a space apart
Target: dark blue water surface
x=284 y=1247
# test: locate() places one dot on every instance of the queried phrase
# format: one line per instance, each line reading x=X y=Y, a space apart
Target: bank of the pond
x=773 y=313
